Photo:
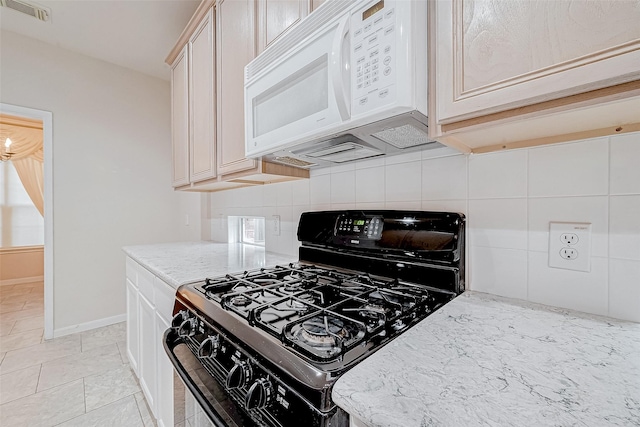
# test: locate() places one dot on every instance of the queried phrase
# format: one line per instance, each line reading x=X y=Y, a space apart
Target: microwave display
x=372 y=10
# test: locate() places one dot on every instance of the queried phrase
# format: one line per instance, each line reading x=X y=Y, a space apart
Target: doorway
x=47 y=130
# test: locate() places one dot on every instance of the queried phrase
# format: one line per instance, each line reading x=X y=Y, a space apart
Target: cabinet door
x=165 y=377
x=180 y=120
x=132 y=326
x=315 y=4
x=202 y=100
x=494 y=55
x=277 y=16
x=236 y=47
x=148 y=349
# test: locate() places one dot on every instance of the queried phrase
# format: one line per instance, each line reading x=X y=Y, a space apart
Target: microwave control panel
x=373 y=57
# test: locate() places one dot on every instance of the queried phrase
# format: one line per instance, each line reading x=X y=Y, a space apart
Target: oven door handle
x=170 y=340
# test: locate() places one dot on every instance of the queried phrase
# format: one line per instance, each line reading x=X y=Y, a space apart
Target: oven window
x=300 y=95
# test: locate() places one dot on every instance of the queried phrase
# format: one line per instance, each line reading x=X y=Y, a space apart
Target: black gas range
x=264 y=347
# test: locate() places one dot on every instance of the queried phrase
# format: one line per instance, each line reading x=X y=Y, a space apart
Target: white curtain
x=28 y=157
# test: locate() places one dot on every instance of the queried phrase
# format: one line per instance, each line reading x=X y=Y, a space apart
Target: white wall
x=509 y=199
x=111 y=169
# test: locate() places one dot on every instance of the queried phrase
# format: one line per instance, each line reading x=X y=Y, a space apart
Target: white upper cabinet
x=494 y=55
x=180 y=119
x=236 y=47
x=202 y=100
x=275 y=17
x=510 y=74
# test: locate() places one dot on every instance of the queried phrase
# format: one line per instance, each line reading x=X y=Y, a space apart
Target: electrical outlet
x=569 y=238
x=568 y=253
x=570 y=245
x=276 y=225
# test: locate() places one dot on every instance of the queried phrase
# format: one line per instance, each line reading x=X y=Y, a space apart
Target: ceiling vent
x=36 y=11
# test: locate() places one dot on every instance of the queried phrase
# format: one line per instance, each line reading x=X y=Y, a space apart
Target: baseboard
x=68 y=330
x=22 y=280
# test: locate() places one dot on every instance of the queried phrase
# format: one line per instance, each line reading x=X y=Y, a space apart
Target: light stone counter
x=180 y=263
x=488 y=361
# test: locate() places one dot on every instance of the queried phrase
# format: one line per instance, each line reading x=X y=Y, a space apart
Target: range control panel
x=361 y=227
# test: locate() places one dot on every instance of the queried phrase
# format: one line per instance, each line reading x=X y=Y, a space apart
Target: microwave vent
x=345 y=152
x=404 y=136
x=294 y=37
x=34 y=10
x=292 y=161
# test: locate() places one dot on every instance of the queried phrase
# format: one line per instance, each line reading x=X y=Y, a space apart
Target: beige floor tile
x=8 y=307
x=22 y=314
x=45 y=409
x=15 y=299
x=28 y=324
x=107 y=387
x=18 y=384
x=66 y=369
x=122 y=347
x=102 y=336
x=147 y=419
x=8 y=291
x=34 y=304
x=121 y=413
x=40 y=353
x=6 y=327
x=17 y=341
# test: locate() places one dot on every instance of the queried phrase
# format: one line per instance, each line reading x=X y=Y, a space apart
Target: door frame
x=47 y=133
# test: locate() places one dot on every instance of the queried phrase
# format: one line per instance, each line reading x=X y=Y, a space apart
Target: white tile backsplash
x=403 y=182
x=498 y=223
x=370 y=185
x=576 y=169
x=576 y=290
x=499 y=271
x=444 y=178
x=624 y=289
x=624 y=227
x=509 y=199
x=569 y=209
x=343 y=187
x=624 y=174
x=498 y=175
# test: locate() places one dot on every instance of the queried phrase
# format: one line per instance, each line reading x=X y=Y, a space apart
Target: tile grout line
x=38 y=382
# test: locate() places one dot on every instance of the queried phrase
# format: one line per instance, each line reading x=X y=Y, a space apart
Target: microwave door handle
x=340 y=68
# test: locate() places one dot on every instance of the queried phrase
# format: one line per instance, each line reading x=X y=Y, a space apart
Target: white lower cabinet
x=148 y=350
x=132 y=325
x=149 y=310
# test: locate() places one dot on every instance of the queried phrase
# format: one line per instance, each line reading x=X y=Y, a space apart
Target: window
x=249 y=230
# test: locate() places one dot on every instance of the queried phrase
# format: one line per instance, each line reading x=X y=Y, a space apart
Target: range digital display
x=358 y=222
x=373 y=9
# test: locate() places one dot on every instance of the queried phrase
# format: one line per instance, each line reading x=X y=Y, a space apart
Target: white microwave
x=348 y=82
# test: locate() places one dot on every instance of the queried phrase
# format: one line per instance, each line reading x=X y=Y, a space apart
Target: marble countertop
x=489 y=361
x=180 y=263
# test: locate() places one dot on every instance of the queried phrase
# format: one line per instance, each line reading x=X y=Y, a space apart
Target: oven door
x=210 y=396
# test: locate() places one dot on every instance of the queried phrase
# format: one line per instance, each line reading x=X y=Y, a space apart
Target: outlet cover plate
x=574 y=237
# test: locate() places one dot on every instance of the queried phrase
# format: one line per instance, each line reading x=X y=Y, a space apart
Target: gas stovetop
x=320 y=312
x=271 y=342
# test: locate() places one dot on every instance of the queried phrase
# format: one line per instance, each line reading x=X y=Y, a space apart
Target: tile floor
x=80 y=380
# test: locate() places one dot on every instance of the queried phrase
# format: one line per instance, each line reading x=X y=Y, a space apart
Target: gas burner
x=323 y=331
x=296 y=304
x=372 y=311
x=291 y=287
x=307 y=297
x=241 y=287
x=240 y=300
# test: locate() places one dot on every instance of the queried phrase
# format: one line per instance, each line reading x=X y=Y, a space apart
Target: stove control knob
x=188 y=328
x=259 y=394
x=180 y=317
x=239 y=375
x=209 y=347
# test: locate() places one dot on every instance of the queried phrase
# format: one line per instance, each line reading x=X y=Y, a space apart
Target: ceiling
x=136 y=34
